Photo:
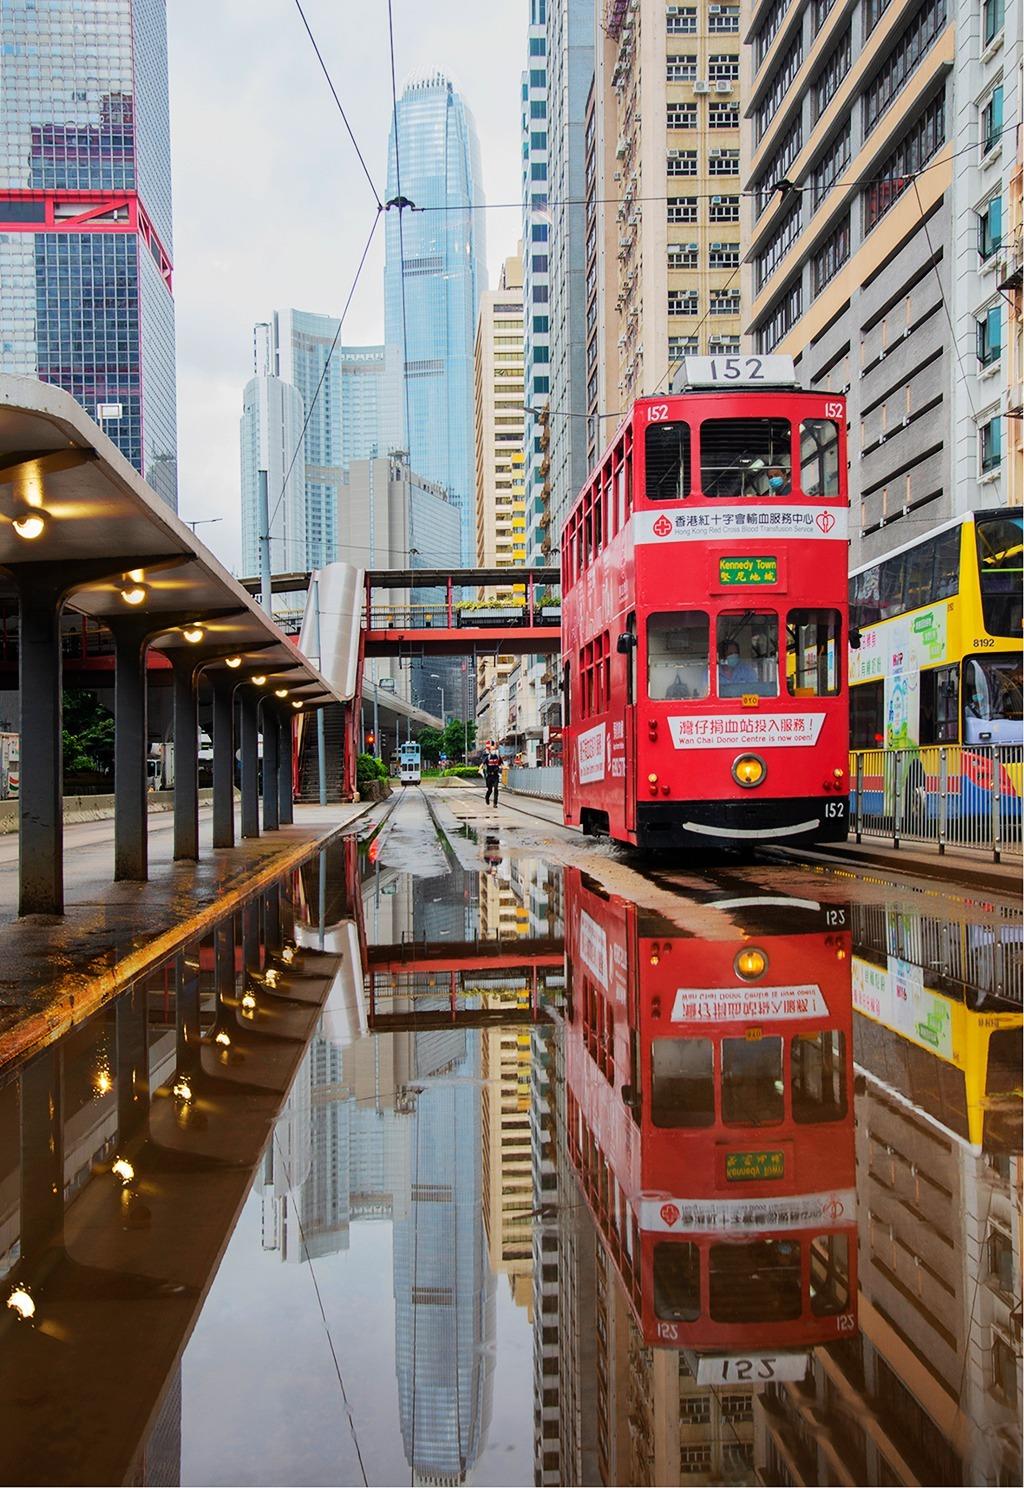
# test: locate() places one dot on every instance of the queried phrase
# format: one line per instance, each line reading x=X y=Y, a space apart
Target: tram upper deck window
x=682 y=1082
x=667 y=462
x=748 y=654
x=819 y=457
x=746 y=457
x=830 y=1274
x=677 y=655
x=1000 y=546
x=757 y=1281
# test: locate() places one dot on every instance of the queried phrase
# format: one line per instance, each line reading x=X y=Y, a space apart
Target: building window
x=768 y=32
x=682 y=162
x=540 y=325
x=682 y=116
x=874 y=10
x=681 y=346
x=725 y=302
x=990 y=227
x=683 y=256
x=540 y=385
x=991 y=441
x=723 y=256
x=538 y=109
x=789 y=66
x=992 y=16
x=540 y=263
x=898 y=169
x=783 y=315
x=539 y=232
x=724 y=209
x=538 y=139
x=536 y=46
x=901 y=62
x=820 y=9
x=992 y=120
x=779 y=244
x=831 y=75
x=682 y=209
x=831 y=256
x=681 y=20
x=723 y=345
x=830 y=167
x=723 y=18
x=724 y=163
x=990 y=336
x=540 y=294
x=723 y=116
x=538 y=171
x=538 y=77
x=682 y=302
x=790 y=147
x=723 y=68
x=681 y=68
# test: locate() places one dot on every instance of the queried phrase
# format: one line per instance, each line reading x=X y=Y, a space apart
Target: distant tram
x=704 y=583
x=409 y=763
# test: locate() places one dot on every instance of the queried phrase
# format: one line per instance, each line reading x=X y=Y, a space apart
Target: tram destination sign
x=747 y=1167
x=737 y=371
x=738 y=571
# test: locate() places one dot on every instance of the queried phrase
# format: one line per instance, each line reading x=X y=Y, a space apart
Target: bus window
x=830 y=1274
x=755 y=1282
x=812 y=653
x=752 y=1081
x=682 y=1082
x=745 y=457
x=999 y=565
x=819 y=457
x=748 y=654
x=867 y=715
x=817 y=1071
x=677 y=1281
x=939 y=711
x=677 y=655
x=891 y=598
x=992 y=699
x=947 y=564
x=667 y=462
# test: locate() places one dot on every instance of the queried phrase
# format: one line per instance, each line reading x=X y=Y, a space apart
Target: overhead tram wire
x=945 y=304
x=399 y=203
x=341 y=111
x=327 y=363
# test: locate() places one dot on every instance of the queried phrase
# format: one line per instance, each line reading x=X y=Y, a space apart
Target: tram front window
x=992 y=700
x=677 y=655
x=818 y=1075
x=745 y=457
x=677 y=1281
x=756 y=1282
x=748 y=654
x=752 y=1088
x=682 y=1082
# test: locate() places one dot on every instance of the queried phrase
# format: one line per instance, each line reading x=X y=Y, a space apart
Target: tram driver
x=736 y=674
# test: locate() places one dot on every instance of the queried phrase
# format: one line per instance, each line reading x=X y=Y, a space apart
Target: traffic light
x=371 y=739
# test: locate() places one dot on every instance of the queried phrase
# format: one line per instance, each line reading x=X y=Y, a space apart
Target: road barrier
x=951 y=794
x=544 y=781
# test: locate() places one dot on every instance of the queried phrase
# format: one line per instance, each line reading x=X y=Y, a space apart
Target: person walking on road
x=491 y=771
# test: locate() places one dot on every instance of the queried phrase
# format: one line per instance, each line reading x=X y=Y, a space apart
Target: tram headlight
x=750 y=963
x=749 y=770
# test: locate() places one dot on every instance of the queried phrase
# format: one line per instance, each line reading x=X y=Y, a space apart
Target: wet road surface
x=469 y=1153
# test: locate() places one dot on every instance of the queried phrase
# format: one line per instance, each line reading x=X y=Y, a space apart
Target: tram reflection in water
x=710 y=1120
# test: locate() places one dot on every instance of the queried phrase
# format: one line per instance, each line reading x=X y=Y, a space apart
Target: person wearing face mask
x=777 y=481
x=735 y=676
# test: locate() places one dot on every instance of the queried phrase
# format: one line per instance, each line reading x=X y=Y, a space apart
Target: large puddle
x=488 y=1175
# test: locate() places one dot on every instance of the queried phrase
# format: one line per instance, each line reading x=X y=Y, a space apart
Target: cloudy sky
x=271 y=207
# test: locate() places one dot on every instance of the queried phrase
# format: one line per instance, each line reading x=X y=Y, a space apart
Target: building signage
x=734 y=571
x=750 y=520
x=594 y=949
x=744 y=731
x=767 y=1004
x=670 y=1216
x=754 y=1368
x=590 y=754
x=897 y=997
x=751 y=1167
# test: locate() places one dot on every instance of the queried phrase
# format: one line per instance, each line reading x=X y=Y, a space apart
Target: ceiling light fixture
x=259 y=681
x=233 y=662
x=281 y=692
x=193 y=634
x=31 y=523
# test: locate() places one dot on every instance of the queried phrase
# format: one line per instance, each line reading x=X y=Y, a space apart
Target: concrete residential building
x=86 y=243
x=663 y=148
x=271 y=439
x=895 y=122
x=498 y=419
x=505 y=1147
x=435 y=267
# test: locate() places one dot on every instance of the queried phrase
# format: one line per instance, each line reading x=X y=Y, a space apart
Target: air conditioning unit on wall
x=702 y=87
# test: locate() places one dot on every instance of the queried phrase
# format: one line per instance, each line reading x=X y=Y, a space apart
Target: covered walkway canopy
x=80 y=528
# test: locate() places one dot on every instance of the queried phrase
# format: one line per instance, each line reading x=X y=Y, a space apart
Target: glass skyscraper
x=85 y=216
x=439 y=258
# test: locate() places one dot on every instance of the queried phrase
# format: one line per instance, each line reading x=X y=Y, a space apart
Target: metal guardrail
x=953 y=795
x=544 y=781
x=436 y=616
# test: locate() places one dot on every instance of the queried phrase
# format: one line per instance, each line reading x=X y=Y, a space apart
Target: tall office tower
x=271 y=439
x=536 y=254
x=885 y=271
x=435 y=267
x=665 y=148
x=85 y=217
x=498 y=419
x=570 y=69
x=507 y=1180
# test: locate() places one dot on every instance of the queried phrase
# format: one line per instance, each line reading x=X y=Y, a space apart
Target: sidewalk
x=58 y=970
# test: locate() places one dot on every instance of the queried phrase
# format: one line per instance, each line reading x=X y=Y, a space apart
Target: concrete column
x=223 y=760
x=41 y=1219
x=271 y=787
x=272 y=918
x=251 y=936
x=249 y=706
x=131 y=748
x=41 y=792
x=186 y=760
x=285 y=730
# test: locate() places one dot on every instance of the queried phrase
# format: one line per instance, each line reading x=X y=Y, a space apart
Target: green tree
x=457 y=737
x=88 y=734
x=431 y=742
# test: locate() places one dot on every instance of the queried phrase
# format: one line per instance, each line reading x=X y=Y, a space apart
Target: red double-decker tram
x=704 y=617
x=709 y=1115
